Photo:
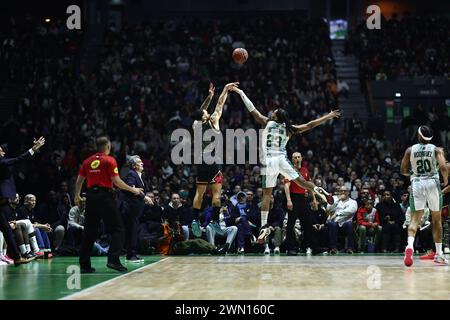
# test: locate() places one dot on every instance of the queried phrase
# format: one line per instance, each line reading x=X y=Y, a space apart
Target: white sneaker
x=267 y=250
x=276 y=250
x=263 y=234
x=241 y=251
x=324 y=195
x=440 y=259
x=446 y=250
x=3 y=263
x=309 y=251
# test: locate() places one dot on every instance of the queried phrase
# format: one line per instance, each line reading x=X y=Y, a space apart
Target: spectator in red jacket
x=368 y=224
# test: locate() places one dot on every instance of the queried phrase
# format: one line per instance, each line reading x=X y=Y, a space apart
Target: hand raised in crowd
x=37 y=144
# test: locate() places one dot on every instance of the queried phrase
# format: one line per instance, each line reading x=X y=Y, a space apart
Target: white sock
x=264 y=215
x=23 y=249
x=411 y=242
x=267 y=246
x=34 y=244
x=28 y=247
x=438 y=248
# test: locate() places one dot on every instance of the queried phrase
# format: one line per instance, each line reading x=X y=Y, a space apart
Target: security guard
x=101 y=172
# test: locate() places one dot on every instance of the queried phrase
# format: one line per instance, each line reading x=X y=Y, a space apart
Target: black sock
x=195 y=213
x=215 y=214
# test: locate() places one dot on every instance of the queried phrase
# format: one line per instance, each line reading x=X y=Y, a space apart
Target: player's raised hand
x=38 y=143
x=211 y=90
x=236 y=89
x=231 y=86
x=335 y=114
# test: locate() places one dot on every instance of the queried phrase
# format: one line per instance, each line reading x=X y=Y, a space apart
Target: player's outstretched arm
x=208 y=99
x=405 y=166
x=262 y=120
x=440 y=158
x=222 y=98
x=317 y=122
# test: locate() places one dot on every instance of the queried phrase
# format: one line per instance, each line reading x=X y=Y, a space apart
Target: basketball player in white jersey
x=422 y=163
x=276 y=134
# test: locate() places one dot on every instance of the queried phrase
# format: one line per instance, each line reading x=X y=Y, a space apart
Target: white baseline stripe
x=111 y=280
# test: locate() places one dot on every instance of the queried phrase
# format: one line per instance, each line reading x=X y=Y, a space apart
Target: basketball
x=240 y=55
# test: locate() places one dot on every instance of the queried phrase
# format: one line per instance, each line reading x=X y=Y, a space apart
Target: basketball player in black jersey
x=209 y=174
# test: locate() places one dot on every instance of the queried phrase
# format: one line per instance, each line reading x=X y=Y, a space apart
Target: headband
x=423 y=137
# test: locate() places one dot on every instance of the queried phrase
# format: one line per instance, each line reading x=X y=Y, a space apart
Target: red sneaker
x=408 y=260
x=428 y=256
x=39 y=255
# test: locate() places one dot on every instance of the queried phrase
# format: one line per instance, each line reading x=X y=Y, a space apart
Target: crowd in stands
x=411 y=47
x=149 y=81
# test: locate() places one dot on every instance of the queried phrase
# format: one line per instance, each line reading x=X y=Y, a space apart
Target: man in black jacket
x=391 y=218
x=132 y=207
x=8 y=192
x=174 y=213
x=150 y=228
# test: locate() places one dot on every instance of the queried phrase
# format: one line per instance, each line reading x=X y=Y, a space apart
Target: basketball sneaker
x=440 y=259
x=263 y=234
x=408 y=260
x=241 y=251
x=6 y=259
x=276 y=250
x=428 y=256
x=267 y=250
x=196 y=231
x=39 y=254
x=325 y=196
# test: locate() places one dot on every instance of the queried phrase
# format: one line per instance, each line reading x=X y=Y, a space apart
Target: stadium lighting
x=398 y=94
x=47 y=20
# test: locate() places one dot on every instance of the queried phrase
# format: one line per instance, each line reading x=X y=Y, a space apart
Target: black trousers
x=5 y=228
x=101 y=205
x=301 y=211
x=131 y=214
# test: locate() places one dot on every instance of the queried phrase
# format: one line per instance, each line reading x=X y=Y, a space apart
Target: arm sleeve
x=350 y=210
x=113 y=170
x=12 y=161
x=72 y=216
x=129 y=180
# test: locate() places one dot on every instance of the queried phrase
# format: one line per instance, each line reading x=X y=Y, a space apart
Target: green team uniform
x=425 y=187
x=275 y=161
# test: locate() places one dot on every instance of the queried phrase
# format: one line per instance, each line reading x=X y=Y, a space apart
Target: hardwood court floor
x=278 y=277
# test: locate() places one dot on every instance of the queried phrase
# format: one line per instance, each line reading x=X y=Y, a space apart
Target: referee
x=101 y=172
x=298 y=207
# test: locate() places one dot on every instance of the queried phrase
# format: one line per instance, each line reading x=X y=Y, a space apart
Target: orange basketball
x=240 y=55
